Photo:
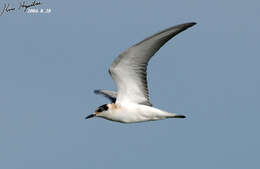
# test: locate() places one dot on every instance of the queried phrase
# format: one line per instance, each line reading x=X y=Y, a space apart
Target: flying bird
x=131 y=104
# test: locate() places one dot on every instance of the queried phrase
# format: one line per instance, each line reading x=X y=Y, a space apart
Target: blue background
x=51 y=63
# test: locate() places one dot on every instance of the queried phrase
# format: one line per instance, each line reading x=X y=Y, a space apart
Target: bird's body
x=132 y=113
x=131 y=103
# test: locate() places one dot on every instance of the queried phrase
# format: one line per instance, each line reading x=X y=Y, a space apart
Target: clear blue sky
x=51 y=63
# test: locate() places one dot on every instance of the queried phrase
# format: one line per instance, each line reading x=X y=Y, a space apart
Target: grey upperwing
x=111 y=95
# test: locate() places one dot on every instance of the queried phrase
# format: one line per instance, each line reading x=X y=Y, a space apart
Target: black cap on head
x=102 y=108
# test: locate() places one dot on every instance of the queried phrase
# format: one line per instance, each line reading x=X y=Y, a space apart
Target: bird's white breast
x=130 y=113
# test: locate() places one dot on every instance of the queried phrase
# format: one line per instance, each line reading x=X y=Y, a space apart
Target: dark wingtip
x=193 y=23
x=190 y=24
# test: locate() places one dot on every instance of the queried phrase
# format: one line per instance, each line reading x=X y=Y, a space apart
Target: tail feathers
x=173 y=115
x=179 y=116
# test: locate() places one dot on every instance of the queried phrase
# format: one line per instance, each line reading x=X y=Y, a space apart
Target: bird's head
x=100 y=111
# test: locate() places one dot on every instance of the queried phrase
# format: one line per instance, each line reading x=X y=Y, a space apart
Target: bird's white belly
x=136 y=113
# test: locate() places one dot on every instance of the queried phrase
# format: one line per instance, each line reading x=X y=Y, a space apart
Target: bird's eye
x=105 y=107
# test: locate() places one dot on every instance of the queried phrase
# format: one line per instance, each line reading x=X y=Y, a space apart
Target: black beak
x=90 y=116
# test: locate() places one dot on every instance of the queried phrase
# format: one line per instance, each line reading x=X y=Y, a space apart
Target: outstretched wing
x=111 y=95
x=129 y=69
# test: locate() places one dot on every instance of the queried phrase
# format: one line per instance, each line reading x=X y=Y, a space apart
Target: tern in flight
x=131 y=104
